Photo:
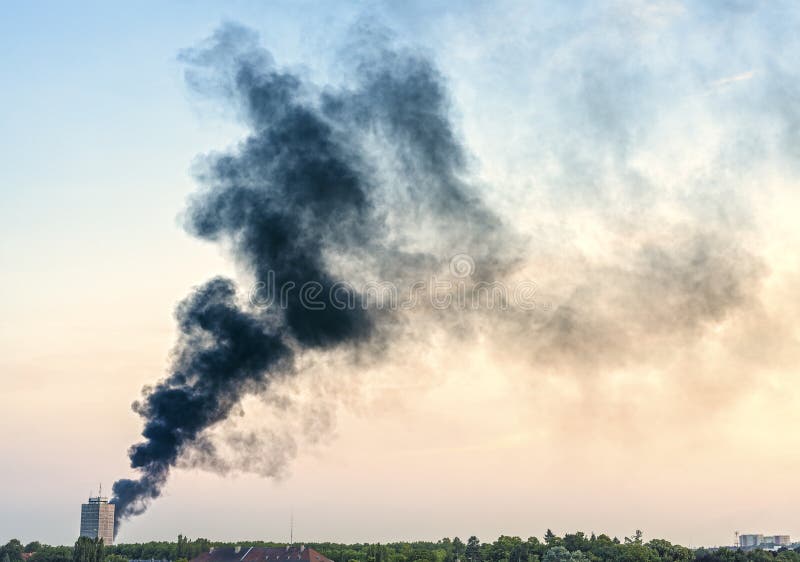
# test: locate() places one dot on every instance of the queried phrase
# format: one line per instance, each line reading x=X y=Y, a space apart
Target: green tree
x=535 y=547
x=473 y=550
x=88 y=550
x=13 y=550
x=458 y=547
x=550 y=539
x=419 y=554
x=576 y=541
x=636 y=552
x=669 y=552
x=788 y=556
x=33 y=546
x=521 y=552
x=635 y=539
x=503 y=548
x=561 y=554
x=52 y=554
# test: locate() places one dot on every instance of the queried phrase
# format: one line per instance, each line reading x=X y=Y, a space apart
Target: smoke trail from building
x=369 y=181
x=306 y=189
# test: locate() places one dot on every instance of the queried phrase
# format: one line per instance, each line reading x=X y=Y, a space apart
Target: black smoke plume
x=368 y=181
x=306 y=197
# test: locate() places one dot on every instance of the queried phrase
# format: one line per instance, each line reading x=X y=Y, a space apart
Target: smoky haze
x=370 y=181
x=328 y=185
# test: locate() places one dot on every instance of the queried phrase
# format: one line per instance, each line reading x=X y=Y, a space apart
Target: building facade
x=781 y=540
x=97 y=519
x=751 y=541
x=746 y=541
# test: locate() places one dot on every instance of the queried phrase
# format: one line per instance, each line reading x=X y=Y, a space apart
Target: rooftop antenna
x=291 y=528
x=100 y=491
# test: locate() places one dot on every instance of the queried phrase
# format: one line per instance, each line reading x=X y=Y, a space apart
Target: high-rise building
x=97 y=519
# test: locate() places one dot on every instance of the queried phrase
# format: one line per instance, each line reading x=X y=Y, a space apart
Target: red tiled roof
x=261 y=554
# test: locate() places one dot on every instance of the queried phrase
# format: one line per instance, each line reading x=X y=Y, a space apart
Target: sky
x=642 y=158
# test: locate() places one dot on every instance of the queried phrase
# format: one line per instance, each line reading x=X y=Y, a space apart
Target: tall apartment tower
x=97 y=519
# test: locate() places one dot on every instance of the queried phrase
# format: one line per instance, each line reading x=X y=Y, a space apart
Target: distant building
x=766 y=541
x=261 y=554
x=781 y=540
x=97 y=519
x=748 y=541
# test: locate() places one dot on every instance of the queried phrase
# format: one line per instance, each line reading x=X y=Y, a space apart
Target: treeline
x=182 y=549
x=89 y=550
x=572 y=547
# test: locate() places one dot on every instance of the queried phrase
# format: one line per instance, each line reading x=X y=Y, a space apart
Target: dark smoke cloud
x=369 y=181
x=324 y=184
x=223 y=353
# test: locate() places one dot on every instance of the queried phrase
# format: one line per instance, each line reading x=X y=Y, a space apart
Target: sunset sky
x=643 y=159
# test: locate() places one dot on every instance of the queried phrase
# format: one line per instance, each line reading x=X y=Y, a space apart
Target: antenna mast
x=291 y=528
